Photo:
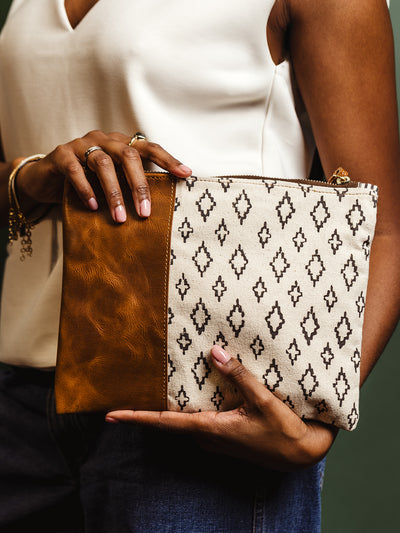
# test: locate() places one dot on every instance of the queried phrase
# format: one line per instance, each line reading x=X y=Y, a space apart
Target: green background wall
x=361 y=490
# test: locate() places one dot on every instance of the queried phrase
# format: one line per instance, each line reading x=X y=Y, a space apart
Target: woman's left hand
x=263 y=429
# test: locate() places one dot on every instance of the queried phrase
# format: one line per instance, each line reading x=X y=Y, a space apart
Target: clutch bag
x=273 y=270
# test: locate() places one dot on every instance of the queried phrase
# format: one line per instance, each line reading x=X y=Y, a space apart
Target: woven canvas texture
x=276 y=273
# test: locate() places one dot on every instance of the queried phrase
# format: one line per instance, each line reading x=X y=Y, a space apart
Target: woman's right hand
x=43 y=181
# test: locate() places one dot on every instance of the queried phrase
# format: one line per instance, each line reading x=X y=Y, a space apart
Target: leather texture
x=112 y=350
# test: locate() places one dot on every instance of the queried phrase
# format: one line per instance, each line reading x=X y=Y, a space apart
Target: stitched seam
x=166 y=283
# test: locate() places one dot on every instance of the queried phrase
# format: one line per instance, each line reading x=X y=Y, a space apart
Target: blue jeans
x=75 y=473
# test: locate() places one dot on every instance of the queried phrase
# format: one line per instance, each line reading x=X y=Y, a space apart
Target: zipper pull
x=339 y=177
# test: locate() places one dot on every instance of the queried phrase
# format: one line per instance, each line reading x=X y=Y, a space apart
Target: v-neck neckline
x=67 y=20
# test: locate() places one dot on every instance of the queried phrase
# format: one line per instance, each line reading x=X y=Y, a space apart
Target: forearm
x=383 y=299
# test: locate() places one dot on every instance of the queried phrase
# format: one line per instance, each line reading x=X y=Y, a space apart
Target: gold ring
x=137 y=137
x=89 y=151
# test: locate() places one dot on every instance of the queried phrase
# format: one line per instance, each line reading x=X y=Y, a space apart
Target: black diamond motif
x=225 y=182
x=185 y=229
x=352 y=418
x=236 y=318
x=219 y=288
x=257 y=347
x=350 y=272
x=308 y=382
x=202 y=259
x=270 y=184
x=272 y=376
x=182 y=398
x=205 y=204
x=299 y=239
x=259 y=289
x=343 y=330
x=327 y=356
x=341 y=192
x=172 y=257
x=293 y=351
x=355 y=217
x=360 y=304
x=374 y=196
x=330 y=298
x=341 y=386
x=335 y=241
x=177 y=204
x=242 y=206
x=217 y=398
x=279 y=265
x=285 y=209
x=321 y=407
x=222 y=232
x=310 y=326
x=200 y=317
x=201 y=370
x=366 y=246
x=320 y=213
x=264 y=235
x=238 y=261
x=305 y=189
x=190 y=181
x=315 y=268
x=184 y=341
x=220 y=339
x=275 y=320
x=182 y=286
x=356 y=359
x=295 y=293
x=289 y=402
x=170 y=316
x=171 y=368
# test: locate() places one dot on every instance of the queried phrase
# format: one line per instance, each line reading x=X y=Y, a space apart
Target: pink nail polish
x=120 y=214
x=220 y=355
x=111 y=420
x=185 y=169
x=145 y=208
x=92 y=203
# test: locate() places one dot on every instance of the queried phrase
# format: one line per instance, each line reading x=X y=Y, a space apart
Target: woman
x=222 y=94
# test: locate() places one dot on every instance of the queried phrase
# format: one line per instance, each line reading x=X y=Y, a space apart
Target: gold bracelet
x=18 y=225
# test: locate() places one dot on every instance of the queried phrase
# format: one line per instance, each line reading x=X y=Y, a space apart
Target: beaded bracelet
x=18 y=224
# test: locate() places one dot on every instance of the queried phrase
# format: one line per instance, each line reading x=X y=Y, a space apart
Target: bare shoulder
x=343 y=18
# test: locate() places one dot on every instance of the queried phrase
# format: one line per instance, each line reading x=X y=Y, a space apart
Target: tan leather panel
x=115 y=285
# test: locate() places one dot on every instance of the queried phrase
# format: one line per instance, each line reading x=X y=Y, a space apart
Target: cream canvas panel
x=275 y=272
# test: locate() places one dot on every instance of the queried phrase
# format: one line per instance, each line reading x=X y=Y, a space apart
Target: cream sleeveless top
x=195 y=77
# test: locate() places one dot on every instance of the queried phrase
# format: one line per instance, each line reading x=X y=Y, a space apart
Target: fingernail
x=185 y=169
x=120 y=214
x=145 y=208
x=92 y=203
x=111 y=420
x=220 y=355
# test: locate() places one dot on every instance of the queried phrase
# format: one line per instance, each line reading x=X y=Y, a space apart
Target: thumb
x=250 y=388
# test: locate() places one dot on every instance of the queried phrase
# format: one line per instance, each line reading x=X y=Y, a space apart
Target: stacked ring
x=89 y=151
x=137 y=137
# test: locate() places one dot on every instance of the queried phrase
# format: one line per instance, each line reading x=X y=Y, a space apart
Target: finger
x=102 y=165
x=67 y=163
x=202 y=422
x=130 y=160
x=155 y=153
x=253 y=392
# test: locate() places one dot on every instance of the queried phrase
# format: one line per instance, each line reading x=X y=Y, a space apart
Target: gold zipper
x=339 y=177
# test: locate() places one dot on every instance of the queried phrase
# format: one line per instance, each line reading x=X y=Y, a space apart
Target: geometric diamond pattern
x=320 y=213
x=284 y=292
x=315 y=268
